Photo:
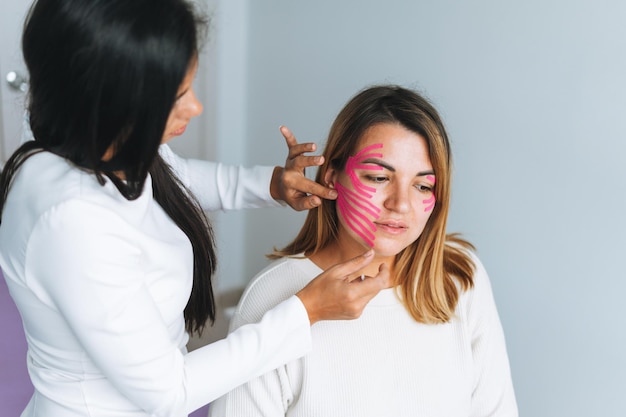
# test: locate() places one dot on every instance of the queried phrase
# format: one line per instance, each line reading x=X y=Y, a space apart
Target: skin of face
x=186 y=107
x=403 y=184
x=354 y=205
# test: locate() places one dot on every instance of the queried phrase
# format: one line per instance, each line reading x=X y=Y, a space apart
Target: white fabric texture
x=101 y=283
x=382 y=364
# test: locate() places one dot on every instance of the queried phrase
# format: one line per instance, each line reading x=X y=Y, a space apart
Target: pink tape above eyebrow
x=359 y=155
x=354 y=162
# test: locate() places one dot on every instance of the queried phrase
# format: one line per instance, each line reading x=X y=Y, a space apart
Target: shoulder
x=43 y=183
x=60 y=201
x=46 y=180
x=478 y=299
x=178 y=165
x=455 y=245
x=462 y=258
x=277 y=282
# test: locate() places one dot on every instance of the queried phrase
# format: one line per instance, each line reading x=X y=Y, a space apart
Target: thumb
x=368 y=286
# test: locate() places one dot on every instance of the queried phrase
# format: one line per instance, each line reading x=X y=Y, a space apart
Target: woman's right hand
x=339 y=293
x=290 y=184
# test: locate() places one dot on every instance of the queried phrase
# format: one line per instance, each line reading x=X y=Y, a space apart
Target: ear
x=330 y=177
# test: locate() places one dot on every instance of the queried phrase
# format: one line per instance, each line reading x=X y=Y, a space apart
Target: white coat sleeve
x=282 y=335
x=223 y=187
x=493 y=394
x=89 y=271
x=269 y=395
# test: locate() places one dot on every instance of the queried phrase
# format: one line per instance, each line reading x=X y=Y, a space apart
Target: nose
x=398 y=199
x=194 y=106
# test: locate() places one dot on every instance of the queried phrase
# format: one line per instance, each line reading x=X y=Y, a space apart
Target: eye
x=424 y=188
x=376 y=178
x=181 y=95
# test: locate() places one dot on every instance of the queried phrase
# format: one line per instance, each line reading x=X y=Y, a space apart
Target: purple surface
x=201 y=412
x=15 y=386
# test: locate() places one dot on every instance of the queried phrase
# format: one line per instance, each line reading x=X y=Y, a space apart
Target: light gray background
x=534 y=97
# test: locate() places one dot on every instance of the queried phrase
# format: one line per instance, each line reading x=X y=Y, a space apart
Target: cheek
x=425 y=217
x=420 y=220
x=355 y=204
x=358 y=211
x=168 y=128
x=429 y=202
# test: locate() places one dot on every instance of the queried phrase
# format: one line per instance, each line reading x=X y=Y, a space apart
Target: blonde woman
x=431 y=344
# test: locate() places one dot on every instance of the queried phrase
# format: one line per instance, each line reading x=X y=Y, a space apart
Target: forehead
x=399 y=144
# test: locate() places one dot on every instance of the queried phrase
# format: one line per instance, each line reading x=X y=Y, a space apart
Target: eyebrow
x=388 y=167
x=182 y=93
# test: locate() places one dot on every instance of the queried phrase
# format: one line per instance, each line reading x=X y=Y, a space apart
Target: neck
x=107 y=156
x=341 y=251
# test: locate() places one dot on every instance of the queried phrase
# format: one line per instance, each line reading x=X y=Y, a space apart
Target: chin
x=385 y=252
x=389 y=247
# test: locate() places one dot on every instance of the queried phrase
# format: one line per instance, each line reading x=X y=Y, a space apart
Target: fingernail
x=332 y=194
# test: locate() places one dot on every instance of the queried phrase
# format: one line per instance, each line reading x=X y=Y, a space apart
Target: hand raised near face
x=340 y=293
x=290 y=184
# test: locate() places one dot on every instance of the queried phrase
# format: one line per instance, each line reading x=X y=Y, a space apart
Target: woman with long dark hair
x=103 y=238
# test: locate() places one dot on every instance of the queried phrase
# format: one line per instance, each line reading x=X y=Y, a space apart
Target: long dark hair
x=104 y=75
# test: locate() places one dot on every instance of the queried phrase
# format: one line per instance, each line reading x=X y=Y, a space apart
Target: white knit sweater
x=384 y=363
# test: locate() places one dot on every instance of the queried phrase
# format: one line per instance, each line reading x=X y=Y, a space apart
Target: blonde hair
x=431 y=271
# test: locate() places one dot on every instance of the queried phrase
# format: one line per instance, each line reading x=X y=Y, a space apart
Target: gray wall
x=534 y=96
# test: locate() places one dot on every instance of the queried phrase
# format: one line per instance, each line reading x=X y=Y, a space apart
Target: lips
x=391 y=226
x=179 y=131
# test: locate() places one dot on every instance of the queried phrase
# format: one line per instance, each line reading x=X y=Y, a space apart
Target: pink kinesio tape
x=354 y=205
x=432 y=200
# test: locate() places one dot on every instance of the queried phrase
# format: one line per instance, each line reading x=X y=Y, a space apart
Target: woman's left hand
x=290 y=184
